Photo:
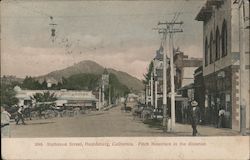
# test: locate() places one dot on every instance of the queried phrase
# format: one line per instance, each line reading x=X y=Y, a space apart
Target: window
x=211 y=48
x=206 y=52
x=224 y=38
x=217 y=44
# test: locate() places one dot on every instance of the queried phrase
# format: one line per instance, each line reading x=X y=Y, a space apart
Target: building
x=64 y=97
x=221 y=61
x=199 y=94
x=184 y=69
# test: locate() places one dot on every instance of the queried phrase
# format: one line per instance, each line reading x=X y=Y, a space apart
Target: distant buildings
x=221 y=62
x=64 y=97
x=50 y=81
x=184 y=70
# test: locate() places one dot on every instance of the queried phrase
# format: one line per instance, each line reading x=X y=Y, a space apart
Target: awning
x=190 y=86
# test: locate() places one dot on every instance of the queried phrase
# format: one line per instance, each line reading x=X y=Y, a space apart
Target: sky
x=115 y=34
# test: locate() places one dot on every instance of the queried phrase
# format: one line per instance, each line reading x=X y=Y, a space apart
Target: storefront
x=218 y=95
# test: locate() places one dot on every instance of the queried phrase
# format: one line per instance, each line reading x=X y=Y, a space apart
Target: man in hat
x=194 y=116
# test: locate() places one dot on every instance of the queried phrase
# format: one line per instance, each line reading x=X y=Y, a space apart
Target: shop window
x=217 y=44
x=224 y=38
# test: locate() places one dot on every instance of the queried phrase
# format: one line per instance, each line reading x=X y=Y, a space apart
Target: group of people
x=196 y=118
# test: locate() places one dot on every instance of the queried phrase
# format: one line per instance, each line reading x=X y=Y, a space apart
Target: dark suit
x=195 y=118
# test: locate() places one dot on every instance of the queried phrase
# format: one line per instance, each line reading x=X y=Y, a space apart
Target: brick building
x=221 y=61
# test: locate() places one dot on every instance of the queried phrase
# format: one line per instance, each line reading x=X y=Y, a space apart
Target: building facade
x=64 y=97
x=221 y=62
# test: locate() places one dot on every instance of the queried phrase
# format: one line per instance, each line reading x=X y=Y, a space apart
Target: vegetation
x=44 y=97
x=116 y=88
x=31 y=83
x=7 y=93
x=147 y=75
x=83 y=81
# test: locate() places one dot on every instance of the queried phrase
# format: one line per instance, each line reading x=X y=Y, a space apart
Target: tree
x=44 y=84
x=7 y=95
x=44 y=97
x=147 y=75
x=30 y=83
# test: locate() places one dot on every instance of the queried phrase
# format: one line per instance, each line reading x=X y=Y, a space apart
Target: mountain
x=93 y=68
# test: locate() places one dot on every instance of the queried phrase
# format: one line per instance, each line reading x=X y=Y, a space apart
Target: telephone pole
x=152 y=89
x=100 y=98
x=242 y=49
x=164 y=32
x=171 y=30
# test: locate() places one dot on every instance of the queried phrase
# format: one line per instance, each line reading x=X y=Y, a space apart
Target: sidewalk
x=186 y=130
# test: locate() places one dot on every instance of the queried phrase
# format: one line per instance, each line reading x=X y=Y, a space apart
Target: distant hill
x=93 y=68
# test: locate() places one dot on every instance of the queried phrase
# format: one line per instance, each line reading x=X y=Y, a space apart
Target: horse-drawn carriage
x=145 y=112
x=131 y=102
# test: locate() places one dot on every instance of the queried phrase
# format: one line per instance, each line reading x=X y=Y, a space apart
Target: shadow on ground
x=154 y=123
x=38 y=123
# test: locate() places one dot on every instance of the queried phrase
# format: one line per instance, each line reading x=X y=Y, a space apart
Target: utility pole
x=156 y=97
x=241 y=10
x=165 y=118
x=100 y=96
x=146 y=96
x=171 y=30
x=103 y=95
x=156 y=83
x=152 y=89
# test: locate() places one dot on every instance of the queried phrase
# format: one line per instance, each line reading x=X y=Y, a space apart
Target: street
x=111 y=123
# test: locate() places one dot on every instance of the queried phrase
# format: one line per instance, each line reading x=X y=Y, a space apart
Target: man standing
x=194 y=117
x=5 y=123
x=20 y=115
x=221 y=117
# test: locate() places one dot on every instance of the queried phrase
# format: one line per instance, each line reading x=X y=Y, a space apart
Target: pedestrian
x=5 y=123
x=195 y=118
x=221 y=115
x=20 y=115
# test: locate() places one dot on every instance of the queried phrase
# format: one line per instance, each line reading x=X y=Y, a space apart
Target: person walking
x=194 y=117
x=20 y=115
x=5 y=123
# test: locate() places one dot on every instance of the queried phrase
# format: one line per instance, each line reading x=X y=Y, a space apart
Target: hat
x=194 y=103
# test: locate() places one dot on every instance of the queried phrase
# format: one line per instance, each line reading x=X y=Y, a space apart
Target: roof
x=206 y=11
x=60 y=94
